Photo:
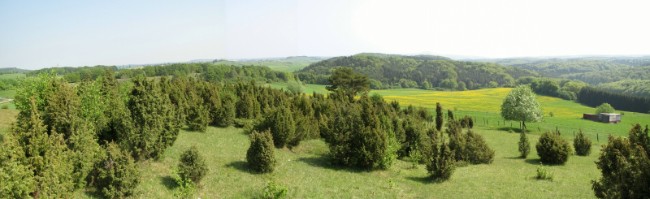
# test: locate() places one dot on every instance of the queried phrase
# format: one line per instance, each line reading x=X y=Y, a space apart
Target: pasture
x=307 y=173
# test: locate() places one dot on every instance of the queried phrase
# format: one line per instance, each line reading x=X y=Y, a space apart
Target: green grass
x=484 y=105
x=8 y=94
x=307 y=88
x=12 y=76
x=289 y=64
x=306 y=173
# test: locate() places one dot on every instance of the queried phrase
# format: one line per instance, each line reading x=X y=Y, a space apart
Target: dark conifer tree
x=154 y=119
x=438 y=117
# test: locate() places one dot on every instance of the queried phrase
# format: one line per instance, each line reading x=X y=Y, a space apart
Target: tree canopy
x=604 y=108
x=521 y=105
x=347 y=82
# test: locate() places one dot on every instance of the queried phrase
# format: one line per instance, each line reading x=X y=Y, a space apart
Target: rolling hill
x=421 y=71
x=593 y=70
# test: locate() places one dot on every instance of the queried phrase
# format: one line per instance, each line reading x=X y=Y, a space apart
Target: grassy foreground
x=306 y=173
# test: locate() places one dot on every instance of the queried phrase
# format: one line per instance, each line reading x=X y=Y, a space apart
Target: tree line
x=593 y=97
x=206 y=71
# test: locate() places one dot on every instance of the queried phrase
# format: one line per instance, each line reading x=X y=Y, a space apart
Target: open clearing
x=306 y=173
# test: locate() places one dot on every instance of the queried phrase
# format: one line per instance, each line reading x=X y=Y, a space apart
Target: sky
x=38 y=34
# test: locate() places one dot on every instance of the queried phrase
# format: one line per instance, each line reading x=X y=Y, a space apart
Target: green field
x=12 y=76
x=306 y=173
x=288 y=64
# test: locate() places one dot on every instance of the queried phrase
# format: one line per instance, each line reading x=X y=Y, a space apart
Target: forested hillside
x=12 y=70
x=593 y=70
x=208 y=71
x=631 y=87
x=427 y=72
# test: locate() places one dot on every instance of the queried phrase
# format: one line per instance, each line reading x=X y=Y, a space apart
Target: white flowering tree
x=521 y=105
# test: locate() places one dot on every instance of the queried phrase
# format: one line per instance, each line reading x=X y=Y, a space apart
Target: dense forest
x=426 y=72
x=593 y=70
x=594 y=97
x=206 y=71
x=639 y=88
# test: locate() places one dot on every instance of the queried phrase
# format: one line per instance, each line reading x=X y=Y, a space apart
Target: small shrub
x=553 y=149
x=274 y=191
x=478 y=152
x=185 y=189
x=441 y=165
x=116 y=175
x=192 y=166
x=4 y=106
x=282 y=126
x=260 y=154
x=198 y=118
x=543 y=174
x=582 y=144
x=524 y=145
x=242 y=123
x=605 y=108
x=466 y=122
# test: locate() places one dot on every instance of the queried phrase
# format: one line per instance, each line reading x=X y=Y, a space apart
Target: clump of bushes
x=192 y=167
x=116 y=175
x=357 y=137
x=468 y=147
x=552 y=148
x=441 y=163
x=582 y=144
x=524 y=145
x=478 y=152
x=282 y=126
x=260 y=154
x=466 y=122
x=624 y=165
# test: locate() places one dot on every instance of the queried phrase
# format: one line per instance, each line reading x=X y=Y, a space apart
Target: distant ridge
x=417 y=71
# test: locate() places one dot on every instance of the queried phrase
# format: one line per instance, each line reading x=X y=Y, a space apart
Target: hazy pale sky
x=37 y=34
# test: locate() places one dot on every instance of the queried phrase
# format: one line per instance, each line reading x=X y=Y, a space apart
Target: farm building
x=603 y=117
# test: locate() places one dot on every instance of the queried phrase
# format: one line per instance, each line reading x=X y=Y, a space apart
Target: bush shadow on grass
x=241 y=166
x=168 y=182
x=515 y=158
x=324 y=162
x=534 y=161
x=425 y=179
x=513 y=129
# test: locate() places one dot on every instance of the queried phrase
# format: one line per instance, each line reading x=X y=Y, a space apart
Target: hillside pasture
x=307 y=173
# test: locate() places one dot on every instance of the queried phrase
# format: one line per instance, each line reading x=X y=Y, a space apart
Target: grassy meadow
x=306 y=173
